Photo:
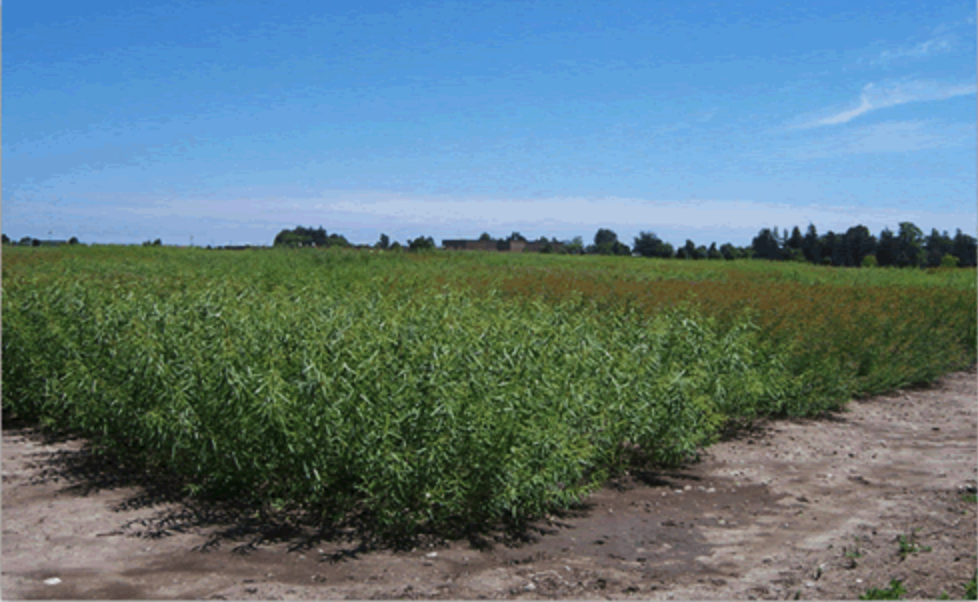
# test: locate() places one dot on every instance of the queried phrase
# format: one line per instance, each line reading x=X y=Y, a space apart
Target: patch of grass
x=970 y=498
x=894 y=592
x=971 y=588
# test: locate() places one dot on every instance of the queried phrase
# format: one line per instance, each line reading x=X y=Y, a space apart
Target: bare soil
x=787 y=509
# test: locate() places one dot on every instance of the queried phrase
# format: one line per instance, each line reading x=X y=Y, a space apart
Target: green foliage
x=908 y=545
x=574 y=246
x=965 y=248
x=606 y=243
x=647 y=244
x=854 y=553
x=949 y=261
x=766 y=245
x=894 y=592
x=309 y=237
x=971 y=588
x=430 y=391
x=421 y=243
x=869 y=261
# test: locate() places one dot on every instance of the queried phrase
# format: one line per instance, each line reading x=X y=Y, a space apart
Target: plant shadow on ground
x=246 y=526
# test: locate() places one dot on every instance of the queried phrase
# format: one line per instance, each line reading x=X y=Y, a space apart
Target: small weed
x=970 y=498
x=909 y=545
x=893 y=592
x=971 y=588
x=851 y=554
x=854 y=552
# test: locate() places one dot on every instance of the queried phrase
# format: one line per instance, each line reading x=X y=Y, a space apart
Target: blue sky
x=229 y=121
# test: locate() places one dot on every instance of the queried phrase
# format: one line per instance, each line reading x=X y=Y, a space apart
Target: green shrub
x=894 y=592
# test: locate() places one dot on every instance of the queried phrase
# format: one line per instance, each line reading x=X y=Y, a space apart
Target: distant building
x=505 y=246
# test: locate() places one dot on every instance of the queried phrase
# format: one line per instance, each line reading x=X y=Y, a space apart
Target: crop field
x=448 y=391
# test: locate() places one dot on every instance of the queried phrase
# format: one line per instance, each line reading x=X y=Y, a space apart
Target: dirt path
x=812 y=509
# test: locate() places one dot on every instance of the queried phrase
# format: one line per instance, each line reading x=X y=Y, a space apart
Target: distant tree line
x=309 y=237
x=29 y=241
x=857 y=247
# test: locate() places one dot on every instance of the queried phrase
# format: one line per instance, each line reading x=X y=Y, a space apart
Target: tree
x=396 y=246
x=796 y=241
x=35 y=242
x=857 y=244
x=620 y=248
x=965 y=248
x=833 y=249
x=606 y=243
x=384 y=243
x=157 y=243
x=713 y=252
x=886 y=248
x=647 y=244
x=73 y=240
x=574 y=246
x=936 y=246
x=516 y=236
x=765 y=245
x=603 y=236
x=27 y=241
x=728 y=251
x=484 y=237
x=811 y=245
x=307 y=237
x=910 y=250
x=6 y=239
x=421 y=243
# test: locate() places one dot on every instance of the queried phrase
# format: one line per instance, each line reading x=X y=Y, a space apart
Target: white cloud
x=875 y=96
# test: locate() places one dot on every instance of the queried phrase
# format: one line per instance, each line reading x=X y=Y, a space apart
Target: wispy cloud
x=875 y=96
x=891 y=137
x=920 y=50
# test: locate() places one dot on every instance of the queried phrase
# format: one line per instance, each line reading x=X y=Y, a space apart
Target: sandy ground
x=791 y=509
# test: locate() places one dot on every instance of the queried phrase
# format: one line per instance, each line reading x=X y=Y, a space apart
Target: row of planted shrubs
x=417 y=413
